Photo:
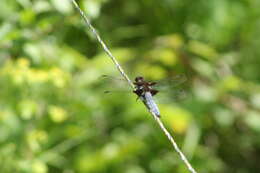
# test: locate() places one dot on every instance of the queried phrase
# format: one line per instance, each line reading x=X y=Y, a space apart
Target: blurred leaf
x=255 y=100
x=92 y=8
x=151 y=72
x=224 y=117
x=62 y=6
x=177 y=118
x=202 y=49
x=253 y=120
x=173 y=41
x=42 y=6
x=27 y=17
x=165 y=56
x=203 y=67
x=230 y=83
x=27 y=108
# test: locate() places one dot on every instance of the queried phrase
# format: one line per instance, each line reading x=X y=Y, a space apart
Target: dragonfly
x=146 y=90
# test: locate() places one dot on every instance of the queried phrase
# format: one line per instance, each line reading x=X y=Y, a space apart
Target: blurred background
x=54 y=116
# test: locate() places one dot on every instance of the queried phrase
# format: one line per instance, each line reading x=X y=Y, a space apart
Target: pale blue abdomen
x=151 y=103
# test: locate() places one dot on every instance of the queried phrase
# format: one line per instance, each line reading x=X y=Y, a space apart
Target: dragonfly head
x=139 y=79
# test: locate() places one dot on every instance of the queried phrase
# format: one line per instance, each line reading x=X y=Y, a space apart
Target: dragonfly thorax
x=143 y=86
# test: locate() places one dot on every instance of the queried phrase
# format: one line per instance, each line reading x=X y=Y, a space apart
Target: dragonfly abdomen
x=151 y=103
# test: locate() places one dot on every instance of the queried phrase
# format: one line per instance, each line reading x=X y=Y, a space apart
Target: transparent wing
x=111 y=84
x=111 y=78
x=170 y=83
x=171 y=96
x=171 y=89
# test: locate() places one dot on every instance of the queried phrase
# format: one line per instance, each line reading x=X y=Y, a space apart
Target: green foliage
x=54 y=116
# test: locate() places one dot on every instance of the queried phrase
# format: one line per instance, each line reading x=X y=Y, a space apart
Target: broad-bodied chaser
x=145 y=90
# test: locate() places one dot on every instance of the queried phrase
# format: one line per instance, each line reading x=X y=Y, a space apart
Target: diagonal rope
x=103 y=44
x=183 y=157
x=174 y=144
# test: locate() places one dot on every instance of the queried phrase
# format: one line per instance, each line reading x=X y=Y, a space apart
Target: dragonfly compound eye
x=139 y=79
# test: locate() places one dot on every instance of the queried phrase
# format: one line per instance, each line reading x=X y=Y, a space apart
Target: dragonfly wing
x=167 y=84
x=170 y=96
x=170 y=90
x=110 y=84
x=112 y=80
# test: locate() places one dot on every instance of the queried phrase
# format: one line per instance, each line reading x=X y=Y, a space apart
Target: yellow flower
x=58 y=77
x=39 y=167
x=23 y=63
x=37 y=76
x=57 y=114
